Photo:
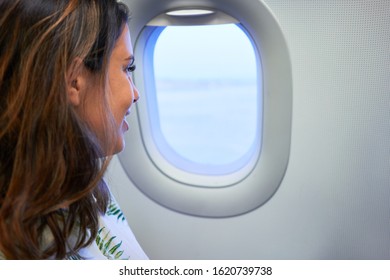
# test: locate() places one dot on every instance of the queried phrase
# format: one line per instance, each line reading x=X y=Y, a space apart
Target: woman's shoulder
x=115 y=239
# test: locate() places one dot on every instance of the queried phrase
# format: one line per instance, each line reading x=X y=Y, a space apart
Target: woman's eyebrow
x=131 y=59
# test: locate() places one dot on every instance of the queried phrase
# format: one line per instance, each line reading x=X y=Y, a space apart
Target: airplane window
x=212 y=130
x=206 y=87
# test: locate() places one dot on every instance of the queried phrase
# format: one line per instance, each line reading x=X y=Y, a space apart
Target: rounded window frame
x=255 y=183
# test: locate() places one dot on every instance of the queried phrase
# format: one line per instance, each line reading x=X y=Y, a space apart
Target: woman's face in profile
x=121 y=90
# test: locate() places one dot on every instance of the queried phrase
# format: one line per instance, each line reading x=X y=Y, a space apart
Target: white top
x=115 y=240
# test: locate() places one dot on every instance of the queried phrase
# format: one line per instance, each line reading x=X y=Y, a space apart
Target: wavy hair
x=51 y=161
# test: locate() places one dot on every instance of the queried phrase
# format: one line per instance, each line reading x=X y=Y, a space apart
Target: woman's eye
x=130 y=68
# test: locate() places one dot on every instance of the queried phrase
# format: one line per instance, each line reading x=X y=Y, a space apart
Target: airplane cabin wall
x=334 y=200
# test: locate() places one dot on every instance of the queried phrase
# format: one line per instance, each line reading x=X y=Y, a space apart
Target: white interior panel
x=334 y=200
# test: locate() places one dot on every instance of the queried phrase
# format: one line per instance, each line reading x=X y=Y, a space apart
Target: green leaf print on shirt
x=114 y=210
x=107 y=245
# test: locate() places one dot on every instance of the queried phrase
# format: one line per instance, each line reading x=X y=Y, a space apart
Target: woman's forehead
x=123 y=48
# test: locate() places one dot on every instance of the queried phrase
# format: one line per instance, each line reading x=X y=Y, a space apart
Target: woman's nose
x=135 y=93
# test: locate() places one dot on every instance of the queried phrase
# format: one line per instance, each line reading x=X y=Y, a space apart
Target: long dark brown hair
x=51 y=162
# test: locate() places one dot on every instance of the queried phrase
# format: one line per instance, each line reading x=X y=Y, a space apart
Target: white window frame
x=253 y=184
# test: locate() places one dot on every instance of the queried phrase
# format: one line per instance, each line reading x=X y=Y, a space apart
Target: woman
x=65 y=90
